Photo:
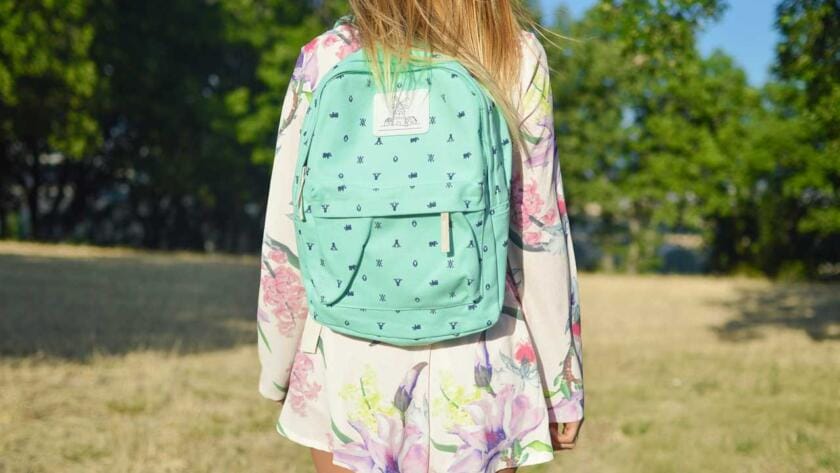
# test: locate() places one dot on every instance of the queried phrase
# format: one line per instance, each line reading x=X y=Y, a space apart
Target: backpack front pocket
x=395 y=260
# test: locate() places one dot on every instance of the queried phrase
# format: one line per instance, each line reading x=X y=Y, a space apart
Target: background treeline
x=153 y=123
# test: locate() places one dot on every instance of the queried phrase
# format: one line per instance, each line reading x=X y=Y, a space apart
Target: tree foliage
x=152 y=124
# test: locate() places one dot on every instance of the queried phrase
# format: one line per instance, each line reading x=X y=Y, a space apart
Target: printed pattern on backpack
x=402 y=204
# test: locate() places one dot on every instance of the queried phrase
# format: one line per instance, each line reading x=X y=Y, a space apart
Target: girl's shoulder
x=341 y=39
x=533 y=50
x=324 y=51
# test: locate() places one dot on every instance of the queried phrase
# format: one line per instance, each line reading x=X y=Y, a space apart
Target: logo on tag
x=403 y=112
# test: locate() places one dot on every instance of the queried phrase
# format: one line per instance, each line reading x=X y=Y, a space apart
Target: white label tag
x=403 y=112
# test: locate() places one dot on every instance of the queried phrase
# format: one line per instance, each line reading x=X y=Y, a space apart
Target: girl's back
x=479 y=403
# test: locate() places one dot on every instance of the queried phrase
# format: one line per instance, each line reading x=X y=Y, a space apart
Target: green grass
x=123 y=361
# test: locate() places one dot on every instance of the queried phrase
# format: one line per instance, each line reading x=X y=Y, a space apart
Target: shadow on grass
x=73 y=308
x=811 y=308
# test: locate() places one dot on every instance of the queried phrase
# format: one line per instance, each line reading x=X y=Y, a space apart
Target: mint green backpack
x=402 y=204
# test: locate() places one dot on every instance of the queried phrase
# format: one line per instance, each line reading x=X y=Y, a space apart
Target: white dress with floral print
x=479 y=403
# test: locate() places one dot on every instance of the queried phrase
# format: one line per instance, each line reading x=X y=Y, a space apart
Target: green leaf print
x=567 y=392
x=263 y=338
x=517 y=449
x=268 y=268
x=338 y=433
x=444 y=447
x=274 y=244
x=280 y=388
x=280 y=428
x=539 y=446
x=320 y=347
x=531 y=139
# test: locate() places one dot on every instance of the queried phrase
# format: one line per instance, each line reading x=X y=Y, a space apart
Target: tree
x=47 y=79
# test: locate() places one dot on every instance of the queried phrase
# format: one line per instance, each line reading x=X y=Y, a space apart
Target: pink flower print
x=576 y=329
x=550 y=217
x=284 y=287
x=561 y=205
x=306 y=67
x=391 y=449
x=531 y=201
x=309 y=47
x=286 y=275
x=526 y=201
x=278 y=256
x=345 y=48
x=532 y=238
x=283 y=291
x=301 y=389
x=285 y=320
x=525 y=353
x=273 y=290
x=499 y=421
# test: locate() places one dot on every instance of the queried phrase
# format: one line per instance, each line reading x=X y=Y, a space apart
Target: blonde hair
x=483 y=35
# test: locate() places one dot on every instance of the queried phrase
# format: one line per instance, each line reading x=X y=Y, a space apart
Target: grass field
x=122 y=361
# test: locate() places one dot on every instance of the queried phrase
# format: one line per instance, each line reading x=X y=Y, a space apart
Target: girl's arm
x=541 y=256
x=282 y=303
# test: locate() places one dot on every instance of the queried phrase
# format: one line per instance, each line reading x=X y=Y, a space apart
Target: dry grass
x=141 y=362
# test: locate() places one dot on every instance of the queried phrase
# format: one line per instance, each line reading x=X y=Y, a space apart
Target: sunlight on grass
x=144 y=362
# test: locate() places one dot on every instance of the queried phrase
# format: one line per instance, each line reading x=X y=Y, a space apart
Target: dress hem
x=300 y=440
x=306 y=442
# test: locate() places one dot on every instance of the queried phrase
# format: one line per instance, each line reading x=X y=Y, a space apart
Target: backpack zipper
x=299 y=198
x=444 y=232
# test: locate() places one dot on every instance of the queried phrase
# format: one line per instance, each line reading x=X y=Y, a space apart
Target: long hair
x=483 y=35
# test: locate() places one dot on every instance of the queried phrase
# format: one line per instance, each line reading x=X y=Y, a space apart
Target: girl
x=509 y=396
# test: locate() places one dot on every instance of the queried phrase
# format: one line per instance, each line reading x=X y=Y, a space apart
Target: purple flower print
x=306 y=67
x=483 y=371
x=543 y=149
x=567 y=409
x=500 y=422
x=394 y=448
x=405 y=391
x=399 y=445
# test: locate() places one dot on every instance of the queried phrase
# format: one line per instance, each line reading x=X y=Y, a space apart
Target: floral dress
x=479 y=403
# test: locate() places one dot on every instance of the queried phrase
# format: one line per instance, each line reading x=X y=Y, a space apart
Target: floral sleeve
x=281 y=309
x=541 y=256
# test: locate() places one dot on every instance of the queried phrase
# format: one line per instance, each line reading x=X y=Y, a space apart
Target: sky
x=745 y=32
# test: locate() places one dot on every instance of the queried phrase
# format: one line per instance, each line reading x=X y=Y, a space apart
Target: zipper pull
x=299 y=199
x=444 y=232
